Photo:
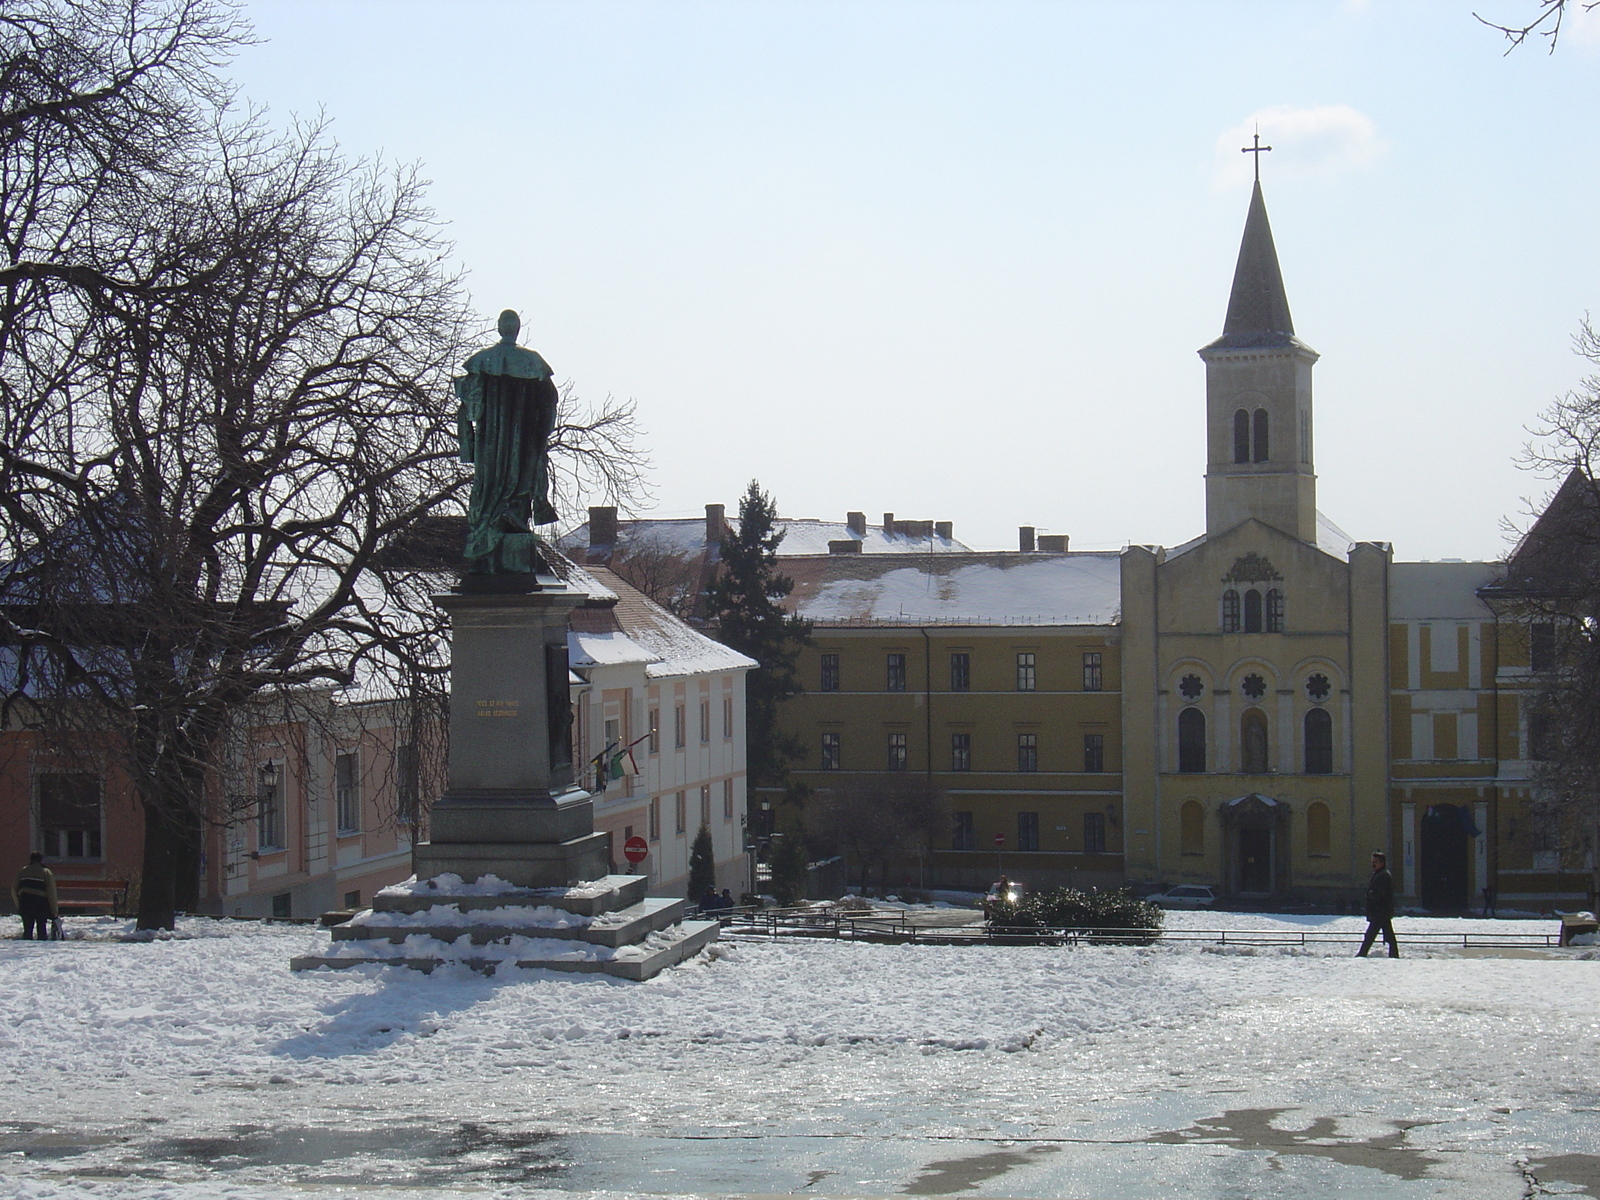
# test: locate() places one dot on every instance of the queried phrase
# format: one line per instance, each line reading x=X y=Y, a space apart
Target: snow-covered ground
x=200 y=1066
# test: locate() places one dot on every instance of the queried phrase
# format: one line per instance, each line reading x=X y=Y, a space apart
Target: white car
x=1185 y=895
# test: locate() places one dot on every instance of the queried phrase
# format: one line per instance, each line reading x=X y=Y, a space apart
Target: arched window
x=1241 y=436
x=1230 y=611
x=1319 y=842
x=1261 y=435
x=1274 y=611
x=1192 y=828
x=1319 y=742
x=1252 y=611
x=1191 y=741
x=1253 y=742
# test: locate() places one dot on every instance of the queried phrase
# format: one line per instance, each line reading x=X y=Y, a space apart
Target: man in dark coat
x=1380 y=906
x=35 y=897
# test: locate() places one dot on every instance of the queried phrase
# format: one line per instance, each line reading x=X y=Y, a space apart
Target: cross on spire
x=1258 y=150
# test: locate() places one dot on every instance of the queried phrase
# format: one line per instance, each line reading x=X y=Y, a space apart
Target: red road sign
x=635 y=849
x=999 y=839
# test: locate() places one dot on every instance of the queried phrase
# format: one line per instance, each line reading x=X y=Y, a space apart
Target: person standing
x=1380 y=907
x=35 y=896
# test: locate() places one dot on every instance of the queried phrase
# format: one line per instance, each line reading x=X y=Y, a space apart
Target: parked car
x=1185 y=895
x=1008 y=892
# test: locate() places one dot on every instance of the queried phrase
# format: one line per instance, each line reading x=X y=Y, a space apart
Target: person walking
x=34 y=894
x=1380 y=907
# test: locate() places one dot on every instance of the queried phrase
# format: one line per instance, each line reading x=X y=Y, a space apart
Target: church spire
x=1258 y=308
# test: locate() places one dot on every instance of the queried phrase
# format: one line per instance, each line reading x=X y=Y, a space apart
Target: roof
x=686 y=536
x=1421 y=591
x=631 y=628
x=1560 y=553
x=1258 y=307
x=1331 y=540
x=971 y=588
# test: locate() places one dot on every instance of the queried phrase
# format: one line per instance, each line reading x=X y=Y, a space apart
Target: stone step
x=695 y=936
x=606 y=894
x=621 y=927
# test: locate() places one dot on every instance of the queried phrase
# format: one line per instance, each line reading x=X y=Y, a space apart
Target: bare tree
x=879 y=820
x=667 y=575
x=1547 y=24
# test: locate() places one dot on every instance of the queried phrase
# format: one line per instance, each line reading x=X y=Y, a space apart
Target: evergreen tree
x=702 y=865
x=789 y=862
x=747 y=614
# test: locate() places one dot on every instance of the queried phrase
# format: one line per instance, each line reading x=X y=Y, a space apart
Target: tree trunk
x=157 y=893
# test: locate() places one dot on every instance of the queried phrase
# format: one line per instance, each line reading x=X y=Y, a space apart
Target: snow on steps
x=607 y=926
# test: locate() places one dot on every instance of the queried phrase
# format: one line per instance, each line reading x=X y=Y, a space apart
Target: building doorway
x=1446 y=835
x=1255 y=860
x=1255 y=841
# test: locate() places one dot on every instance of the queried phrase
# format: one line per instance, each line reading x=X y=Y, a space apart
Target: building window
x=1094 y=833
x=830 y=752
x=1260 y=447
x=1191 y=741
x=69 y=815
x=1252 y=611
x=1253 y=686
x=727 y=716
x=961 y=752
x=1092 y=680
x=830 y=673
x=1094 y=752
x=680 y=723
x=896 y=673
x=655 y=731
x=655 y=819
x=705 y=804
x=1541 y=646
x=1027 y=831
x=960 y=672
x=962 y=836
x=283 y=906
x=1274 y=611
x=1318 y=687
x=1253 y=742
x=681 y=813
x=705 y=721
x=1027 y=752
x=1230 y=611
x=727 y=799
x=1538 y=736
x=1241 y=436
x=1026 y=677
x=1190 y=688
x=1319 y=742
x=1319 y=841
x=1192 y=828
x=347 y=793
x=269 y=813
x=897 y=752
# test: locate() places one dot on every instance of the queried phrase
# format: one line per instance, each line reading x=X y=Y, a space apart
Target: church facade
x=1257 y=709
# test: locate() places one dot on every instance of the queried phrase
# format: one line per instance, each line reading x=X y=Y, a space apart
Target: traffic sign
x=635 y=849
x=999 y=840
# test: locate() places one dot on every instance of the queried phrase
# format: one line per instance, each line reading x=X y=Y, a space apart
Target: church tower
x=1258 y=400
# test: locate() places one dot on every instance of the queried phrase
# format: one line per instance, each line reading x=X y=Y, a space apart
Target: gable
x=1315 y=585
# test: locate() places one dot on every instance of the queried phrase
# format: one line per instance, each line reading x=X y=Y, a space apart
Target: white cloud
x=1581 y=23
x=1306 y=142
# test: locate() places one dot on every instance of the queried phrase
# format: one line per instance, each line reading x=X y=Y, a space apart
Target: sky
x=953 y=260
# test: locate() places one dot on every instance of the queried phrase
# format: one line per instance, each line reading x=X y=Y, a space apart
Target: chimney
x=888 y=524
x=1025 y=538
x=1053 y=543
x=603 y=526
x=716 y=523
x=945 y=530
x=856 y=523
x=844 y=546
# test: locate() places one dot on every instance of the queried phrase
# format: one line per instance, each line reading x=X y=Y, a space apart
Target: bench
x=113 y=898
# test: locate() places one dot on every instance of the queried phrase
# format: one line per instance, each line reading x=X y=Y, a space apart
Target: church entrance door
x=1444 y=857
x=1255 y=860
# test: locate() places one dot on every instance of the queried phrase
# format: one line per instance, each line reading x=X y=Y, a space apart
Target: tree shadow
x=407 y=1003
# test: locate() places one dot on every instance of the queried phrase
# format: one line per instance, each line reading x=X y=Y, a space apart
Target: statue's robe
x=507 y=414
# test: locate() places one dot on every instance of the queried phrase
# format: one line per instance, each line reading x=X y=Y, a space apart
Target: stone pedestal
x=511 y=808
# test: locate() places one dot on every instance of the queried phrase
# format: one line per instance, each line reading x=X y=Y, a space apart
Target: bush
x=1108 y=915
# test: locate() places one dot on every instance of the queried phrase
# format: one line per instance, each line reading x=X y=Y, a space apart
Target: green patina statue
x=508 y=411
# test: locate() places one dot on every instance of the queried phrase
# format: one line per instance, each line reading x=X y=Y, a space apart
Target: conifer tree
x=747 y=614
x=702 y=865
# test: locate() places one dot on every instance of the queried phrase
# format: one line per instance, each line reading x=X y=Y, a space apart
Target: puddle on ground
x=1252 y=1129
x=1574 y=1170
x=953 y=1175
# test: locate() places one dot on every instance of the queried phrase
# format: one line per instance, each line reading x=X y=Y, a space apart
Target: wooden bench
x=113 y=900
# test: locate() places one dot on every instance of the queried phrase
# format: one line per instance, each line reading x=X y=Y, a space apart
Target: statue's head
x=509 y=324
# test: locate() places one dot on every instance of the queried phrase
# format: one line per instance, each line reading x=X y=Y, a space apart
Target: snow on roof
x=971 y=588
x=686 y=536
x=1428 y=590
x=1330 y=540
x=634 y=629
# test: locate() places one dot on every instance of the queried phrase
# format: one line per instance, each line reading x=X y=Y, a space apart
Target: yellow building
x=1270 y=703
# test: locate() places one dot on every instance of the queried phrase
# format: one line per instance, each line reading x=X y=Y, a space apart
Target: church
x=1257 y=709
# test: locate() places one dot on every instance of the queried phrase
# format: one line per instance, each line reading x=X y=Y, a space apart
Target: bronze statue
x=508 y=411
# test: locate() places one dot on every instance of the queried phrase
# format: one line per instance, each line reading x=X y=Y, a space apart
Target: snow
x=450 y=884
x=754 y=1066
x=511 y=916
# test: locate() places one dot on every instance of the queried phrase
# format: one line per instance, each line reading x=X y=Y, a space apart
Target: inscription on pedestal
x=497 y=708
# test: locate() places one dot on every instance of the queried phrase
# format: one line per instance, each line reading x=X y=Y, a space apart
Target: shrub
x=1104 y=915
